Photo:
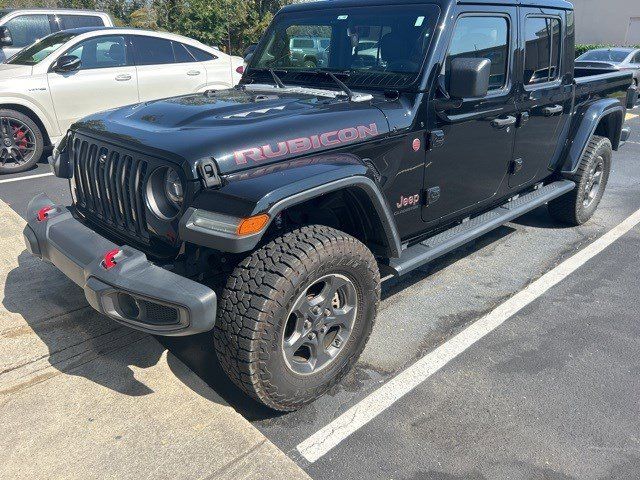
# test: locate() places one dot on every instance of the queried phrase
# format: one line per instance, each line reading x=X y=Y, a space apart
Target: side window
x=482 y=37
x=78 y=21
x=101 y=52
x=542 y=50
x=26 y=29
x=153 y=51
x=181 y=53
x=637 y=58
x=200 y=55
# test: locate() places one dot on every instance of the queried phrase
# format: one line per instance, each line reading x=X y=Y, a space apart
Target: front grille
x=109 y=185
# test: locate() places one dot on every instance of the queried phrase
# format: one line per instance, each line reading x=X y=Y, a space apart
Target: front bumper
x=134 y=291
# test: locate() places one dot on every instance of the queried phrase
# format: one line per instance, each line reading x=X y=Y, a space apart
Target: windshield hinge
x=208 y=172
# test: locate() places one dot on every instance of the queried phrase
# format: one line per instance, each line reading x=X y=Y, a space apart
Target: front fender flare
x=585 y=126
x=273 y=192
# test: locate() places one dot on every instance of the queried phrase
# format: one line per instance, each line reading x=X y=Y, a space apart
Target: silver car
x=612 y=59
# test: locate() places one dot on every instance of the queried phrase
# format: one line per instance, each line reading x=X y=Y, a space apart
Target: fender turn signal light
x=43 y=213
x=251 y=225
x=109 y=260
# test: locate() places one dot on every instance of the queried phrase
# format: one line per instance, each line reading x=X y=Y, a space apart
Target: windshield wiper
x=274 y=75
x=338 y=82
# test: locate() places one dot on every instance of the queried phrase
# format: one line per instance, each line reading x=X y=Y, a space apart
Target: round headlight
x=165 y=193
x=173 y=188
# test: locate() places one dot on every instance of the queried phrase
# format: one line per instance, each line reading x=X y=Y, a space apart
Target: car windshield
x=40 y=50
x=616 y=56
x=371 y=47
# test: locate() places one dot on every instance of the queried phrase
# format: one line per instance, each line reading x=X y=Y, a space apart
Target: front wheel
x=296 y=315
x=21 y=142
x=578 y=206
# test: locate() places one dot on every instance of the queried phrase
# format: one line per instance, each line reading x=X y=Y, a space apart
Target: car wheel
x=578 y=206
x=309 y=64
x=296 y=314
x=22 y=142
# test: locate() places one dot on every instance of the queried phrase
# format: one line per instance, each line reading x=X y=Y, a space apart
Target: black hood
x=239 y=129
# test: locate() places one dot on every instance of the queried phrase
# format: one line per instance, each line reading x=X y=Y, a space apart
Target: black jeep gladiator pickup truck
x=267 y=214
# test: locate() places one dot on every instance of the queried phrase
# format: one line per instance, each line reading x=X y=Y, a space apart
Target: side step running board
x=447 y=241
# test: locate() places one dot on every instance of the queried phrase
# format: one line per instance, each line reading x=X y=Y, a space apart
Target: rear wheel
x=296 y=314
x=21 y=142
x=579 y=205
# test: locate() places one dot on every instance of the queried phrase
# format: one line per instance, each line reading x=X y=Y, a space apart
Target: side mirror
x=469 y=78
x=5 y=37
x=249 y=51
x=67 y=63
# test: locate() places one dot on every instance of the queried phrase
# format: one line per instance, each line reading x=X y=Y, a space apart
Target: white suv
x=20 y=28
x=68 y=75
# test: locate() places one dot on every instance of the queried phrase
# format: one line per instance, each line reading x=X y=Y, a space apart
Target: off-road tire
x=256 y=302
x=570 y=207
x=39 y=142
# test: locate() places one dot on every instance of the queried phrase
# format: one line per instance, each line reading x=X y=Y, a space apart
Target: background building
x=608 y=21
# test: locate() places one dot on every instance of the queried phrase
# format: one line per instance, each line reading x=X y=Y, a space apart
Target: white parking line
x=321 y=442
x=30 y=177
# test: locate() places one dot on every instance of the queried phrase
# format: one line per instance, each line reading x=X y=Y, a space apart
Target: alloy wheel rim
x=17 y=142
x=319 y=324
x=594 y=182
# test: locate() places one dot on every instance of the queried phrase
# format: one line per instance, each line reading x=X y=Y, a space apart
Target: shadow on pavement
x=197 y=352
x=75 y=336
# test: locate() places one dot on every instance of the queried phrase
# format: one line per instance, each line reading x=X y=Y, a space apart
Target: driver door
x=106 y=79
x=478 y=133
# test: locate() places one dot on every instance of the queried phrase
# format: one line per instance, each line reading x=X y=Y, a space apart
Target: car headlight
x=165 y=193
x=173 y=187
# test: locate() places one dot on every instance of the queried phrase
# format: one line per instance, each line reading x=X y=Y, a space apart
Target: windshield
x=40 y=50
x=371 y=47
x=616 y=56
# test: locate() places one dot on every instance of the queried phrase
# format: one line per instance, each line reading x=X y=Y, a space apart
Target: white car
x=19 y=28
x=68 y=75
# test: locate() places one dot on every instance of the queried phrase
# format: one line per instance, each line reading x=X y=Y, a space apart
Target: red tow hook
x=43 y=213
x=109 y=260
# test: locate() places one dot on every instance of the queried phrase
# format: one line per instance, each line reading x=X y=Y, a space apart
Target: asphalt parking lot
x=550 y=392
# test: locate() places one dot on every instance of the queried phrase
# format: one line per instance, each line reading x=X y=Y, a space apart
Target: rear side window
x=181 y=53
x=542 y=50
x=153 y=51
x=482 y=37
x=78 y=21
x=26 y=29
x=200 y=55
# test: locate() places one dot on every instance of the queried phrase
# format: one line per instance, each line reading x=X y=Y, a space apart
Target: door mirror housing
x=249 y=51
x=67 y=63
x=469 y=78
x=5 y=37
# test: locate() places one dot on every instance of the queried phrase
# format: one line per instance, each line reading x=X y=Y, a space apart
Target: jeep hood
x=239 y=129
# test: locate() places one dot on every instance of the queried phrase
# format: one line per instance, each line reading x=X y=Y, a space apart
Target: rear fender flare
x=607 y=114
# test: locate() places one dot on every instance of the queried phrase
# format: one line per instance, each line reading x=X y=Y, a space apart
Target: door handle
x=123 y=78
x=524 y=119
x=551 y=111
x=501 y=123
x=193 y=73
